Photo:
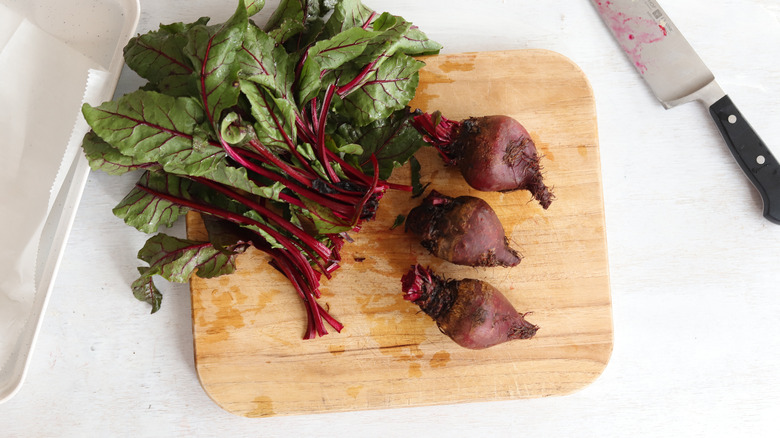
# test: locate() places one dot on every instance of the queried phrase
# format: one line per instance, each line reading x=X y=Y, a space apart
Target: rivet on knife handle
x=751 y=153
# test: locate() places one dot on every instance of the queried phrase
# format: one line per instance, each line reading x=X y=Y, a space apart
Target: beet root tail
x=506 y=256
x=522 y=329
x=540 y=191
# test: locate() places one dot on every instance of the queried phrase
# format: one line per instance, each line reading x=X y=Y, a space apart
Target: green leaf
x=152 y=127
x=213 y=50
x=311 y=83
x=346 y=15
x=232 y=131
x=103 y=156
x=392 y=140
x=261 y=232
x=236 y=177
x=417 y=187
x=289 y=19
x=389 y=30
x=221 y=202
x=389 y=87
x=287 y=29
x=416 y=43
x=328 y=5
x=355 y=46
x=302 y=11
x=311 y=33
x=254 y=6
x=176 y=259
x=158 y=56
x=301 y=19
x=399 y=220
x=402 y=36
x=324 y=220
x=145 y=290
x=329 y=55
x=274 y=117
x=288 y=10
x=351 y=148
x=147 y=212
x=341 y=48
x=264 y=62
x=225 y=235
x=307 y=151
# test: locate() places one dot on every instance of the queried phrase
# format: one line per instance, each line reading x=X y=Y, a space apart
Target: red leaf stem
x=304 y=131
x=290 y=144
x=318 y=247
x=272 y=158
x=292 y=249
x=369 y=193
x=321 y=133
x=369 y=20
x=354 y=84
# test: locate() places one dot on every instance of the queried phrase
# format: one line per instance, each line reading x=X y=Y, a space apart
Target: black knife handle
x=751 y=153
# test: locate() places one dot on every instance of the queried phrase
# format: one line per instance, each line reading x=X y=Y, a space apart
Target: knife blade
x=677 y=75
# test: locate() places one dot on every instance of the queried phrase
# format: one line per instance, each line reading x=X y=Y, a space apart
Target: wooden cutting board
x=247 y=326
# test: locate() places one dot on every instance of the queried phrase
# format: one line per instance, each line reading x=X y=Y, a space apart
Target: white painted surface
x=695 y=268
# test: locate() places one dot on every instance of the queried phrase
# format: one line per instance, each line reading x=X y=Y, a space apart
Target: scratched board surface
x=247 y=326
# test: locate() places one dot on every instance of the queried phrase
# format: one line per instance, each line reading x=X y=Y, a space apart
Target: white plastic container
x=98 y=29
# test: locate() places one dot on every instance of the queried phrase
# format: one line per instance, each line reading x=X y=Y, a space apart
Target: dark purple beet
x=463 y=230
x=471 y=312
x=493 y=153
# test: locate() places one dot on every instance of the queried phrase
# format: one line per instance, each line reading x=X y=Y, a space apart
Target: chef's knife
x=677 y=75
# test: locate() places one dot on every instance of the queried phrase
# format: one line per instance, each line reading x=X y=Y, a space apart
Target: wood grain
x=247 y=326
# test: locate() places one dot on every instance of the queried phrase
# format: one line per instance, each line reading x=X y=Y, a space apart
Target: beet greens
x=282 y=137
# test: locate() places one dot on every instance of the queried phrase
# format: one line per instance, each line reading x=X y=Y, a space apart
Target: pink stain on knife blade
x=633 y=33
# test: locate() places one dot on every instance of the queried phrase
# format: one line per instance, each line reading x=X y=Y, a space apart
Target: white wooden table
x=695 y=268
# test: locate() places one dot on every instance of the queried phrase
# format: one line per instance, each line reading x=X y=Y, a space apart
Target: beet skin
x=493 y=153
x=463 y=230
x=471 y=312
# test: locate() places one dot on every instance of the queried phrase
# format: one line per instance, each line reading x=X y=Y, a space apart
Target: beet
x=463 y=230
x=493 y=153
x=471 y=312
